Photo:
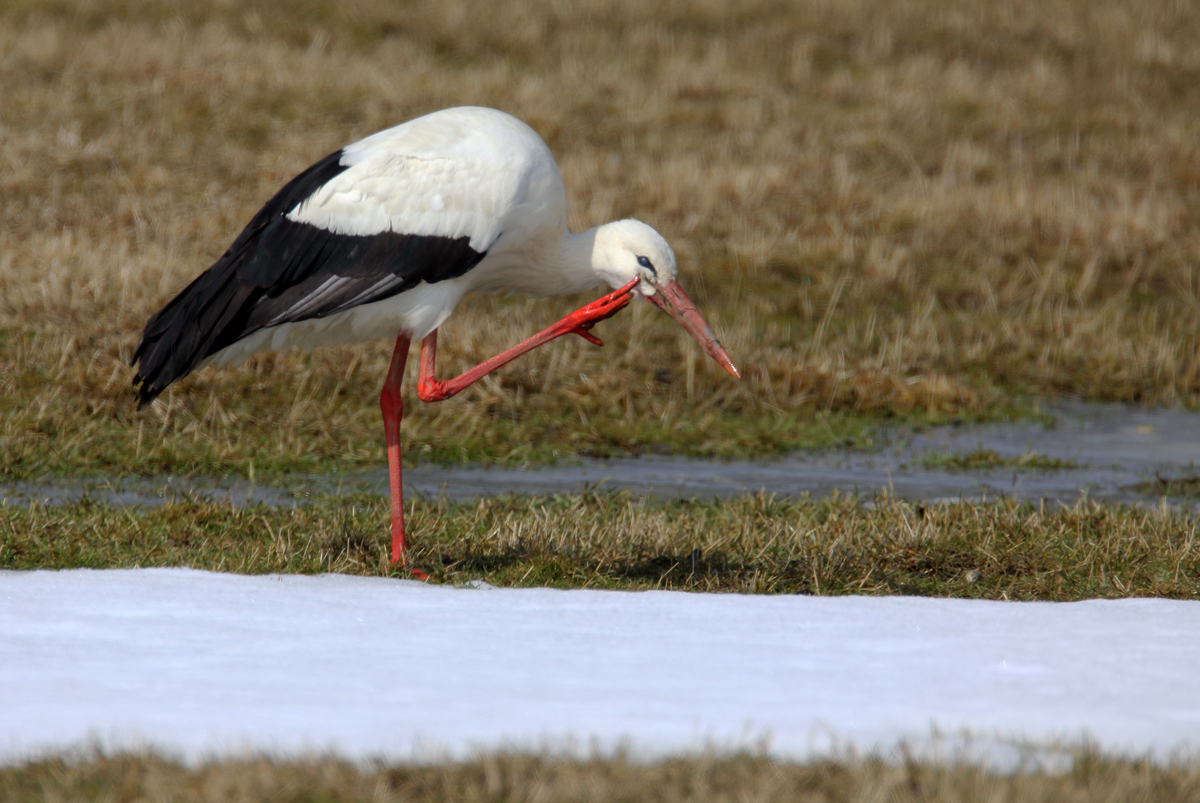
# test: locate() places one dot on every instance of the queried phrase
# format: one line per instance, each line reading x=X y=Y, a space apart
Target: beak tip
x=671 y=299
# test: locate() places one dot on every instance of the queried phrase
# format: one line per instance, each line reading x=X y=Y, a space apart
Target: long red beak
x=671 y=299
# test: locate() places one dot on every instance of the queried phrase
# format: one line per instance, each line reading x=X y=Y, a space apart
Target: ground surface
x=1112 y=453
x=916 y=211
x=752 y=544
x=191 y=661
x=886 y=210
x=508 y=777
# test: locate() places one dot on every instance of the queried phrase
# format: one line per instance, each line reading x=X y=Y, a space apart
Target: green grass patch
x=981 y=459
x=1171 y=486
x=269 y=436
x=319 y=412
x=751 y=544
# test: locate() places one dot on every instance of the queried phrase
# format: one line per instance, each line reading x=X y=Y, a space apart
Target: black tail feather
x=183 y=332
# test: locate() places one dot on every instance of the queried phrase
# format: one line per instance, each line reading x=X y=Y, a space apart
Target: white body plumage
x=468 y=172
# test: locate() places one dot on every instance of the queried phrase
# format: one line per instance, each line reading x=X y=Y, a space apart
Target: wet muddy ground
x=1107 y=453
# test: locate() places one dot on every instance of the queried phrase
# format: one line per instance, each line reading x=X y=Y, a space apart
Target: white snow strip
x=196 y=663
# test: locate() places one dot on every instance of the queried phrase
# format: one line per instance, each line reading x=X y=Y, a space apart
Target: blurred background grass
x=909 y=210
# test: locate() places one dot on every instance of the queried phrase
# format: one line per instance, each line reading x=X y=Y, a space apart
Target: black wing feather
x=273 y=267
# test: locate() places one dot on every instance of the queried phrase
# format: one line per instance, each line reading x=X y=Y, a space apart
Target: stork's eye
x=645 y=263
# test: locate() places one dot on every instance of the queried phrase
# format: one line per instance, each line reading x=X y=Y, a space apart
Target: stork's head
x=629 y=249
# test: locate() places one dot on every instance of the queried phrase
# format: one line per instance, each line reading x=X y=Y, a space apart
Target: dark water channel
x=1104 y=452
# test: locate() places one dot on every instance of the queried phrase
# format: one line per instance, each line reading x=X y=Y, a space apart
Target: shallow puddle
x=1103 y=452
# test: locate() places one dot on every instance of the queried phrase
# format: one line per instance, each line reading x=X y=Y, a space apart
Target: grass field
x=746 y=545
x=904 y=212
x=517 y=777
x=888 y=211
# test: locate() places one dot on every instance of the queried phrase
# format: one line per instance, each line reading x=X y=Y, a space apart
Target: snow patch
x=198 y=663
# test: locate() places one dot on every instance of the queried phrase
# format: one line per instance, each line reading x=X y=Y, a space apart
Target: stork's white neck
x=561 y=263
x=577 y=260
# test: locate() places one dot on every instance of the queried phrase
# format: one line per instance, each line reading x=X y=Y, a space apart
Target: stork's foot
x=581 y=321
x=401 y=565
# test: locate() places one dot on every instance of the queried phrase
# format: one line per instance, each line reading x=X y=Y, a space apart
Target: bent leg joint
x=391 y=402
x=433 y=390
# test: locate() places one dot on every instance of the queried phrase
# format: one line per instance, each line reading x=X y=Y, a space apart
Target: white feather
x=465 y=172
x=436 y=175
x=312 y=300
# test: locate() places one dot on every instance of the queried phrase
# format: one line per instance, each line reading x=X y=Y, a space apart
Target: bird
x=383 y=238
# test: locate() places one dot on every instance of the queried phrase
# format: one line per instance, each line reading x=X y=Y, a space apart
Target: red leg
x=579 y=322
x=430 y=389
x=392 y=404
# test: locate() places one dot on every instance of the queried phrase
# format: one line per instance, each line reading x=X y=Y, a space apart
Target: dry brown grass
x=882 y=207
x=516 y=777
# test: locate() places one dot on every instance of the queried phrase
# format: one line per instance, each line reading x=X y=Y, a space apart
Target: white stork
x=383 y=237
